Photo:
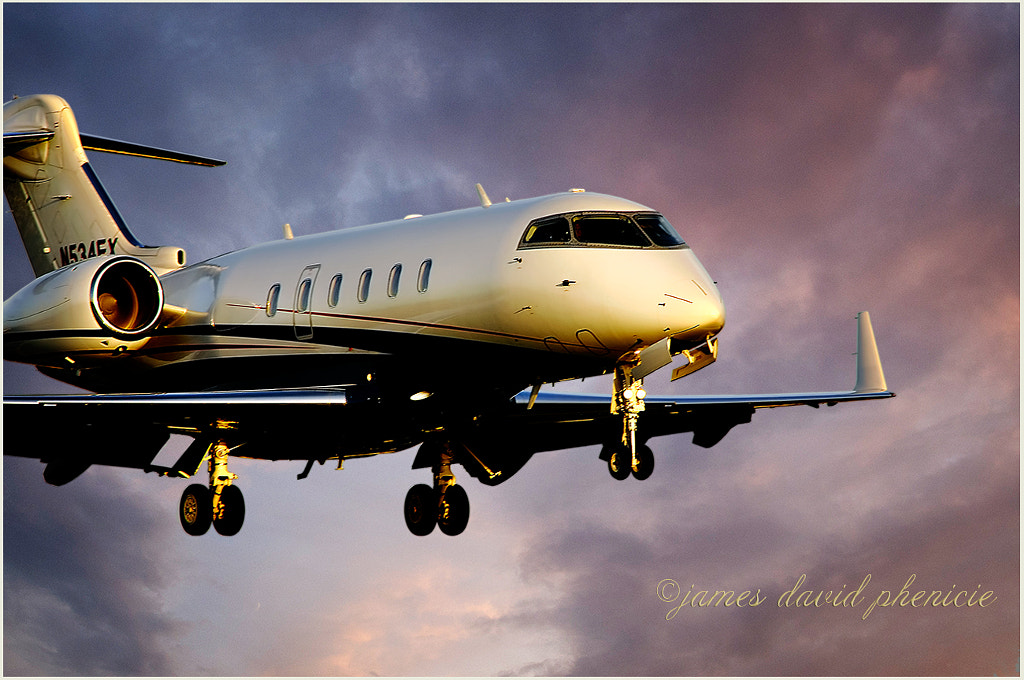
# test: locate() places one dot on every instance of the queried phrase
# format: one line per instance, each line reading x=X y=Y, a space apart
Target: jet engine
x=117 y=299
x=126 y=297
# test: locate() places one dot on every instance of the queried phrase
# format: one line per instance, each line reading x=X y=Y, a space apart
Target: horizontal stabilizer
x=15 y=142
x=94 y=143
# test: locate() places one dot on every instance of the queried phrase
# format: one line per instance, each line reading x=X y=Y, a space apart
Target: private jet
x=434 y=332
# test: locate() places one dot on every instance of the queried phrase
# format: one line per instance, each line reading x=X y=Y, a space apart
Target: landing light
x=420 y=396
x=629 y=393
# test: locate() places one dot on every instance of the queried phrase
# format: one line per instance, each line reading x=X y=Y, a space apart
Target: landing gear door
x=302 y=309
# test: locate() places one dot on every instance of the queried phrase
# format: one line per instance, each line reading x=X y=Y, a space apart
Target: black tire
x=644 y=462
x=195 y=510
x=453 y=513
x=618 y=462
x=420 y=509
x=230 y=523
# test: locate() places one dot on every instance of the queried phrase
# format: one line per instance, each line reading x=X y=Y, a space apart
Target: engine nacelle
x=101 y=304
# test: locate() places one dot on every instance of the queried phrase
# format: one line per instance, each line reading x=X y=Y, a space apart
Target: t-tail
x=61 y=209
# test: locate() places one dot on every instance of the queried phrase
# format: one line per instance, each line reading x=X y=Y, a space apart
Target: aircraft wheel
x=230 y=521
x=618 y=462
x=420 y=509
x=453 y=514
x=195 y=509
x=644 y=462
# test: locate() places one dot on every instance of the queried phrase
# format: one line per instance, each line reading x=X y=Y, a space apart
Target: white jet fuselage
x=448 y=288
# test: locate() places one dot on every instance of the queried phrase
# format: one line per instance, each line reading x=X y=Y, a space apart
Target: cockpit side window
x=547 y=230
x=608 y=230
x=659 y=230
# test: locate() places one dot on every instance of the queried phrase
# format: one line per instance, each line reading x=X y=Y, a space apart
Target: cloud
x=606 y=598
x=83 y=579
x=821 y=160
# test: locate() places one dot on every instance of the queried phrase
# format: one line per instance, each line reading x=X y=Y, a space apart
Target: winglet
x=869 y=366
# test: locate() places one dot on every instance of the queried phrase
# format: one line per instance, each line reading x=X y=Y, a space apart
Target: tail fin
x=61 y=209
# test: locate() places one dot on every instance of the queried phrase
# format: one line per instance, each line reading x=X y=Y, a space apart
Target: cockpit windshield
x=608 y=230
x=602 y=230
x=548 y=230
x=659 y=230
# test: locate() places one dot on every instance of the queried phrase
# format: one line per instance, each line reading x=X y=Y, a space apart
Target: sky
x=821 y=160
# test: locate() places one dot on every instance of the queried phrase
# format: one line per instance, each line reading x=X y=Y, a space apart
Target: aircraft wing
x=70 y=432
x=73 y=432
x=319 y=396
x=564 y=420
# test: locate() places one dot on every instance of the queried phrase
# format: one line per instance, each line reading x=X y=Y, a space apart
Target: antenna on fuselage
x=485 y=202
x=288 y=235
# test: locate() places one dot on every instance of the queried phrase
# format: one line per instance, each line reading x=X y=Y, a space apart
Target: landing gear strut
x=625 y=456
x=220 y=504
x=446 y=505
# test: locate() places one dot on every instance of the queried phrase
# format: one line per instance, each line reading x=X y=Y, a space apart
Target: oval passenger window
x=272 y=295
x=334 y=291
x=393 y=278
x=364 y=285
x=423 y=278
x=302 y=299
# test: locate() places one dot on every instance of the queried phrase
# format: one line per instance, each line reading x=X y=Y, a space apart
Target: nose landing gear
x=621 y=464
x=625 y=457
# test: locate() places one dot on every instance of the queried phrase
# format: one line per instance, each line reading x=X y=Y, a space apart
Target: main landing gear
x=220 y=504
x=445 y=506
x=625 y=457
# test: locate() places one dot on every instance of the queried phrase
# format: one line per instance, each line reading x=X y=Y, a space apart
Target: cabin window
x=302 y=295
x=423 y=278
x=334 y=291
x=393 y=278
x=272 y=296
x=363 y=291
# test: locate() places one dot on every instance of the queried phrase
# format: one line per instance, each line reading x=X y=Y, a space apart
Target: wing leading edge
x=870 y=384
x=708 y=417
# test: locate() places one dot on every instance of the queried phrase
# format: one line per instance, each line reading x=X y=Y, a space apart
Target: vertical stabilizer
x=61 y=209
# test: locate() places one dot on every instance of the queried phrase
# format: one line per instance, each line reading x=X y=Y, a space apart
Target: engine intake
x=60 y=313
x=126 y=296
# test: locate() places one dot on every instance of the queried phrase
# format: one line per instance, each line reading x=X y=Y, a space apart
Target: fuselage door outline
x=302 y=309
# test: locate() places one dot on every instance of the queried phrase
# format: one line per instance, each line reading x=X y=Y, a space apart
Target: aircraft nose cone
x=695 y=309
x=714 y=311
